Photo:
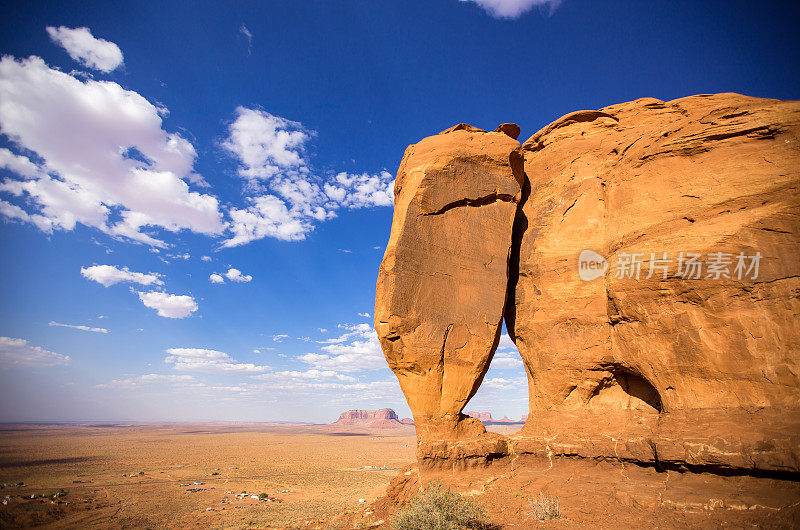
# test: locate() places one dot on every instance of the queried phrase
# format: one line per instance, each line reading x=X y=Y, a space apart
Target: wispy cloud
x=151 y=379
x=204 y=360
x=305 y=375
x=249 y=36
x=358 y=349
x=506 y=360
x=80 y=327
x=514 y=8
x=19 y=353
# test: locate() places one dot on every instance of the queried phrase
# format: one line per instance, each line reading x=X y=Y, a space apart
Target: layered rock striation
x=646 y=264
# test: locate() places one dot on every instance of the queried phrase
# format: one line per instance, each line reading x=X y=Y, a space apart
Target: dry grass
x=440 y=508
x=545 y=507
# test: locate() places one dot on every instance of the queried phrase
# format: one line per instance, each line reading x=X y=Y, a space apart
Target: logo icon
x=591 y=265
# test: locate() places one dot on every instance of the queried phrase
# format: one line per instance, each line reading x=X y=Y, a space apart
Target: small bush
x=545 y=507
x=440 y=508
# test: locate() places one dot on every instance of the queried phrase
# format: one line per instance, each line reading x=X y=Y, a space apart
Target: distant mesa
x=407 y=421
x=483 y=416
x=486 y=418
x=371 y=419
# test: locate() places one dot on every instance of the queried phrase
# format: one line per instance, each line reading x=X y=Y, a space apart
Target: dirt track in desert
x=183 y=475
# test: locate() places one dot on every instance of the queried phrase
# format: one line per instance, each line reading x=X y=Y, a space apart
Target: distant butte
x=370 y=419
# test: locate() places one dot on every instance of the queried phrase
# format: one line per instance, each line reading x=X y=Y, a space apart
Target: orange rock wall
x=644 y=358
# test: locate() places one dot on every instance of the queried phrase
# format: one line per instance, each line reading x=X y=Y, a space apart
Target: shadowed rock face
x=678 y=366
x=442 y=285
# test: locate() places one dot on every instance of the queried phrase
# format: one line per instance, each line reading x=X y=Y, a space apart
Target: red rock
x=689 y=370
x=372 y=419
x=483 y=416
x=441 y=288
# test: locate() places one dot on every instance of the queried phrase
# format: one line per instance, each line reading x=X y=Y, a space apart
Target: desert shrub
x=545 y=507
x=440 y=508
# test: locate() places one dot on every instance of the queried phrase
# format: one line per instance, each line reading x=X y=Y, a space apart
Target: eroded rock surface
x=678 y=344
x=442 y=284
x=644 y=184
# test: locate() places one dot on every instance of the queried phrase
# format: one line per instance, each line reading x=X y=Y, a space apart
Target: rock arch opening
x=501 y=401
x=624 y=390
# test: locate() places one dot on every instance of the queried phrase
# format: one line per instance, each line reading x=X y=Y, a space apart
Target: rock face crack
x=481 y=201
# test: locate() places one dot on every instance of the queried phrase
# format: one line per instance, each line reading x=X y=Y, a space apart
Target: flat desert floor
x=181 y=475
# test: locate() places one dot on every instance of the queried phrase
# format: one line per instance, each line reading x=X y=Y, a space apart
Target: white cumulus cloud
x=102 y=158
x=514 y=8
x=267 y=145
x=204 y=360
x=506 y=360
x=235 y=275
x=289 y=199
x=355 y=350
x=506 y=343
x=216 y=278
x=107 y=275
x=19 y=353
x=86 y=49
x=80 y=327
x=169 y=305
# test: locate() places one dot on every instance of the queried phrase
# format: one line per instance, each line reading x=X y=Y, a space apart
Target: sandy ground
x=177 y=476
x=147 y=476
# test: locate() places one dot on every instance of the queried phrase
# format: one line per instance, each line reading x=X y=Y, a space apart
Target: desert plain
x=189 y=475
x=118 y=475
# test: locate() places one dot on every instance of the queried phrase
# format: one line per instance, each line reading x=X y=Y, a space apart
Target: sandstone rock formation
x=483 y=416
x=678 y=343
x=369 y=419
x=647 y=351
x=442 y=285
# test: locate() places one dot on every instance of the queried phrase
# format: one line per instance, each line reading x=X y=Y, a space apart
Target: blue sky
x=194 y=202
